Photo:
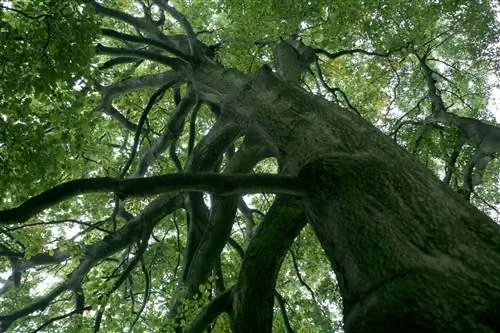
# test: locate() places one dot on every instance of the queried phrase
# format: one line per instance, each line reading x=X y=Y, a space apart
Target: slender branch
x=53 y=319
x=43 y=302
x=192 y=125
x=437 y=103
x=20 y=12
x=172 y=152
x=237 y=247
x=338 y=54
x=450 y=164
x=301 y=280
x=154 y=99
x=132 y=84
x=124 y=275
x=169 y=135
x=147 y=292
x=94 y=253
x=282 y=305
x=331 y=90
x=399 y=122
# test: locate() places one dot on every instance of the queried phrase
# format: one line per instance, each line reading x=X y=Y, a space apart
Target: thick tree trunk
x=410 y=255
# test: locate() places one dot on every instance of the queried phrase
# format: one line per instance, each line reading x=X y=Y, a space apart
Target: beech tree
x=215 y=166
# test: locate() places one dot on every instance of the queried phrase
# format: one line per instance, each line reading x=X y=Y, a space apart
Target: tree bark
x=410 y=255
x=253 y=297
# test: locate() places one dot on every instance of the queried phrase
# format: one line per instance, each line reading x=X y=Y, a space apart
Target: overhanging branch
x=174 y=63
x=234 y=184
x=143 y=40
x=136 y=83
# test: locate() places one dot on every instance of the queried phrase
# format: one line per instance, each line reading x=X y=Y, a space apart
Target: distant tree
x=206 y=166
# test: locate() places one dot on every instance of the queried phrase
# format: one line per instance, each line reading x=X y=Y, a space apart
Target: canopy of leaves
x=68 y=113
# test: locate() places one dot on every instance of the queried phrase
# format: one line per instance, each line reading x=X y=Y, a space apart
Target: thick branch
x=138 y=23
x=117 y=61
x=179 y=17
x=139 y=82
x=210 y=312
x=255 y=291
x=221 y=220
x=197 y=182
x=174 y=63
x=144 y=40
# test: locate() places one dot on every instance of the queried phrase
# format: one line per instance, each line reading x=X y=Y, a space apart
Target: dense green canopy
x=94 y=91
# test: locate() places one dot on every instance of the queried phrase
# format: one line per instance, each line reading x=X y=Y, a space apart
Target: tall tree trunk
x=410 y=255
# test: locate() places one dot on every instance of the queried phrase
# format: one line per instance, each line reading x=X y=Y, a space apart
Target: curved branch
x=282 y=305
x=117 y=61
x=94 y=253
x=138 y=82
x=223 y=185
x=54 y=319
x=138 y=23
x=142 y=82
x=154 y=99
x=170 y=134
x=144 y=40
x=338 y=54
x=254 y=290
x=150 y=28
x=331 y=90
x=21 y=13
x=124 y=275
x=210 y=312
x=174 y=63
x=209 y=149
x=179 y=17
x=301 y=280
x=116 y=115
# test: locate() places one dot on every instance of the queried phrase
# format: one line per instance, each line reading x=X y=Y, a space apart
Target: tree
x=175 y=182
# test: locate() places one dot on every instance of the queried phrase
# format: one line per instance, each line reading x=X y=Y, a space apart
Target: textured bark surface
x=252 y=309
x=409 y=253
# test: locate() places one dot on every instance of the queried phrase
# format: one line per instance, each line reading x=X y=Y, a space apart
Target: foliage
x=55 y=127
